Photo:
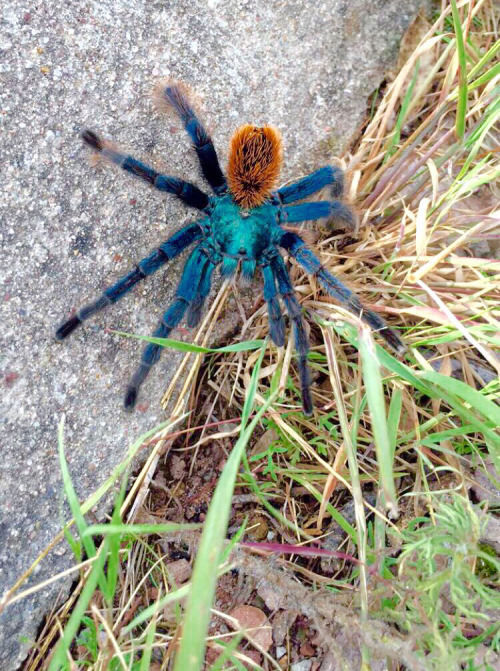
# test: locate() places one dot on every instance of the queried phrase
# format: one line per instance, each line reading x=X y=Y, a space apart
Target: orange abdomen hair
x=254 y=164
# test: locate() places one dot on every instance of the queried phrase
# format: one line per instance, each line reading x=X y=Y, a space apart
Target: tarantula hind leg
x=194 y=311
x=187 y=291
x=294 y=244
x=276 y=321
x=301 y=339
x=152 y=351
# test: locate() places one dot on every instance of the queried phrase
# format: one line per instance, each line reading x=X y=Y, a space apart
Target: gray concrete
x=67 y=230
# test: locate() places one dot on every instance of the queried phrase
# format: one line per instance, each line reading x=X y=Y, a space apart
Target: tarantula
x=244 y=224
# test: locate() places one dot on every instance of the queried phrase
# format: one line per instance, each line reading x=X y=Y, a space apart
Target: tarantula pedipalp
x=243 y=224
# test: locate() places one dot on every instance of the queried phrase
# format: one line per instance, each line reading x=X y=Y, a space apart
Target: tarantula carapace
x=244 y=224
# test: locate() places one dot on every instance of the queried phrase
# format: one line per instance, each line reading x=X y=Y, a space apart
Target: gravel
x=68 y=230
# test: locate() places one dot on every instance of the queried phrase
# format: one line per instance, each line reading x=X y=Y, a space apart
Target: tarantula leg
x=152 y=352
x=294 y=244
x=195 y=308
x=276 y=322
x=166 y=252
x=301 y=340
x=174 y=95
x=328 y=175
x=317 y=210
x=185 y=191
x=186 y=293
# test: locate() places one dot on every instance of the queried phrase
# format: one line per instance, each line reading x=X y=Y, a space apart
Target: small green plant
x=87 y=641
x=444 y=604
x=273 y=450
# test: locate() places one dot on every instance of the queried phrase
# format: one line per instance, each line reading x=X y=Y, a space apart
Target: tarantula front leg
x=174 y=95
x=301 y=339
x=185 y=191
x=186 y=292
x=322 y=208
x=166 y=252
x=294 y=244
x=329 y=175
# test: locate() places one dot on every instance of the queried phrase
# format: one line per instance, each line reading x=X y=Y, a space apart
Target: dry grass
x=388 y=437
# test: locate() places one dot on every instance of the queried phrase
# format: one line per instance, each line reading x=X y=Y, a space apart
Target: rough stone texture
x=68 y=230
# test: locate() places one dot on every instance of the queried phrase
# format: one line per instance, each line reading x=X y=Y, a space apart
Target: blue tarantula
x=244 y=224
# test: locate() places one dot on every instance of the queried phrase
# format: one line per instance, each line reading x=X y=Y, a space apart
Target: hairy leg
x=167 y=251
x=185 y=191
x=276 y=323
x=322 y=208
x=328 y=175
x=174 y=95
x=310 y=262
x=301 y=340
x=186 y=293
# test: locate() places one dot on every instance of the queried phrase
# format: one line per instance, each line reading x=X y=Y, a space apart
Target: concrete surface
x=68 y=230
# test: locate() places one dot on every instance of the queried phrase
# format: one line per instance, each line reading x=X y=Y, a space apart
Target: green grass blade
x=181 y=346
x=244 y=346
x=376 y=404
x=419 y=382
x=238 y=536
x=114 y=544
x=157 y=606
x=74 y=504
x=490 y=118
x=172 y=597
x=487 y=408
x=74 y=543
x=81 y=524
x=201 y=596
x=396 y=133
x=349 y=333
x=485 y=77
x=250 y=395
x=336 y=516
x=456 y=393
x=393 y=419
x=254 y=486
x=59 y=660
x=148 y=645
x=462 y=73
x=488 y=56
x=137 y=529
x=226 y=654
